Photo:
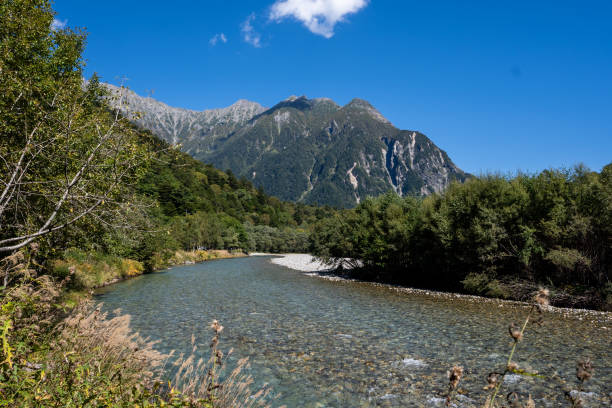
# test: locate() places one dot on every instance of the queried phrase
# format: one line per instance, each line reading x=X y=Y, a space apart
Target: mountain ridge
x=305 y=150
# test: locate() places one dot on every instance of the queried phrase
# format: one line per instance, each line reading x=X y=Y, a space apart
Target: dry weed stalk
x=454 y=376
x=496 y=379
x=584 y=372
x=201 y=380
x=584 y=368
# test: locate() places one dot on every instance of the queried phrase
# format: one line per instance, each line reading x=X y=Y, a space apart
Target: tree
x=64 y=155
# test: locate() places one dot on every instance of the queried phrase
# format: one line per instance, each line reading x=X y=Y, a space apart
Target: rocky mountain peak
x=359 y=103
x=240 y=111
x=300 y=103
x=176 y=125
x=306 y=150
x=363 y=105
x=325 y=101
x=245 y=104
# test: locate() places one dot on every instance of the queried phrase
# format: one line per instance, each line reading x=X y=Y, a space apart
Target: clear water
x=321 y=343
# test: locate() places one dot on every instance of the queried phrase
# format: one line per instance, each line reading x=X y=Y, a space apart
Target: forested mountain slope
x=306 y=150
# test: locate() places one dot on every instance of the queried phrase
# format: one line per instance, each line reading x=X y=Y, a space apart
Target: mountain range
x=305 y=150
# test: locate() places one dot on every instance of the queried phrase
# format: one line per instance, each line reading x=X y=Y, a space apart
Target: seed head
x=216 y=326
x=219 y=357
x=542 y=298
x=584 y=370
x=512 y=366
x=492 y=381
x=515 y=332
x=455 y=375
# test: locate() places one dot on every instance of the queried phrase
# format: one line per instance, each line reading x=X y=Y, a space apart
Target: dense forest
x=165 y=200
x=493 y=235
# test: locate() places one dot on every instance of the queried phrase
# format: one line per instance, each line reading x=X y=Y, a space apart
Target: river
x=325 y=343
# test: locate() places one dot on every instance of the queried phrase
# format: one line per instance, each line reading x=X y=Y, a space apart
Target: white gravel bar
x=307 y=263
x=300 y=262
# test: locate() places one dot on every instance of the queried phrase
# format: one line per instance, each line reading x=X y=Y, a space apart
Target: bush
x=484 y=236
x=482 y=284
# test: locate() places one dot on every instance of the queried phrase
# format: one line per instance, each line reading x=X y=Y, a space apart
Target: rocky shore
x=301 y=262
x=308 y=263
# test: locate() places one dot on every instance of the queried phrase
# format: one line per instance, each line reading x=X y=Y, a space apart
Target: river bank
x=300 y=262
x=338 y=343
x=312 y=267
x=91 y=270
x=180 y=257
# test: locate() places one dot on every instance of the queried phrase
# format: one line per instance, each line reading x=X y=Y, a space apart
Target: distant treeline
x=493 y=235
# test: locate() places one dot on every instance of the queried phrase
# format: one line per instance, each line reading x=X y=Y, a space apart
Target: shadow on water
x=322 y=343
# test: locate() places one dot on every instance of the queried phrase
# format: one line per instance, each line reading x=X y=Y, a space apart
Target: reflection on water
x=322 y=343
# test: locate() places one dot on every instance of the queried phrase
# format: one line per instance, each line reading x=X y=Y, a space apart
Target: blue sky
x=501 y=86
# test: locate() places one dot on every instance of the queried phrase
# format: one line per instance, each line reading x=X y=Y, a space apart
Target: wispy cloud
x=319 y=16
x=216 y=38
x=58 y=24
x=249 y=34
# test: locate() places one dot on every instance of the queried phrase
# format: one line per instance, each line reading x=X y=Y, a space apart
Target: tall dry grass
x=53 y=355
x=94 y=351
x=206 y=380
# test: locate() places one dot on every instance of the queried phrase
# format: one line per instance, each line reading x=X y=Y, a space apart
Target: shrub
x=91 y=270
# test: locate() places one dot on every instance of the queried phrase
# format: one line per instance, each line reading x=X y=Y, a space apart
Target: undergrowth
x=57 y=355
x=91 y=269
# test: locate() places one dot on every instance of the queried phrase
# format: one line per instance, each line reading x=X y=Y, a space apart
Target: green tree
x=64 y=156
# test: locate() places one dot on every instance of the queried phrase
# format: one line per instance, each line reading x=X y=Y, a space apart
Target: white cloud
x=249 y=34
x=319 y=16
x=58 y=24
x=216 y=38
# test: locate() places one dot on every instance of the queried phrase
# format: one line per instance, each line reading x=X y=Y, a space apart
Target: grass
x=168 y=259
x=88 y=270
x=57 y=351
x=91 y=269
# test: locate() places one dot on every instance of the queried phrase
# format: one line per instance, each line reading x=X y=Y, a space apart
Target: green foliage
x=65 y=158
x=485 y=235
x=482 y=284
x=134 y=195
x=77 y=175
x=51 y=358
x=196 y=206
x=302 y=150
x=90 y=269
x=262 y=238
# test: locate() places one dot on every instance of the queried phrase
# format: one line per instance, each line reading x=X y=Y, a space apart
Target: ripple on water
x=410 y=362
x=350 y=344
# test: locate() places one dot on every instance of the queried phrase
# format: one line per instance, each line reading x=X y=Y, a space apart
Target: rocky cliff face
x=306 y=150
x=184 y=126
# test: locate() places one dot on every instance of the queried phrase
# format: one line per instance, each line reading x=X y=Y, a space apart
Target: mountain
x=188 y=127
x=306 y=150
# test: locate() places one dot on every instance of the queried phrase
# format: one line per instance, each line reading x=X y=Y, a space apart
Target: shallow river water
x=323 y=343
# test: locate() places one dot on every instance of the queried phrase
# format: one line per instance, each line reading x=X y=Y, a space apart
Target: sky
x=501 y=86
